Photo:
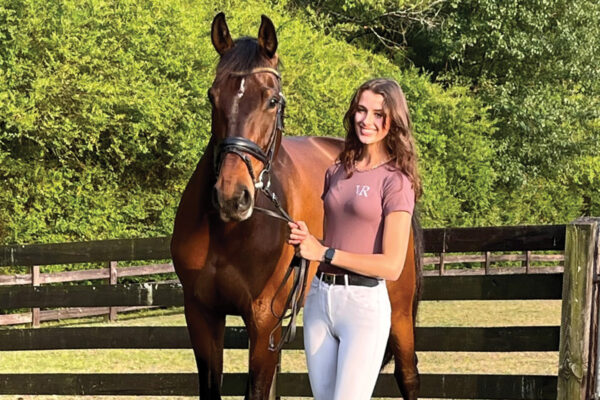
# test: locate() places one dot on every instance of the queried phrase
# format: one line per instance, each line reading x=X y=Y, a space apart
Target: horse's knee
x=405 y=367
x=408 y=371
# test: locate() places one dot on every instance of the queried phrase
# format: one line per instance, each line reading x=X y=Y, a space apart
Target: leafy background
x=103 y=109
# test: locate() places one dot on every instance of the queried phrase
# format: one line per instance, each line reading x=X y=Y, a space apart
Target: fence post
x=441 y=271
x=35 y=281
x=487 y=262
x=578 y=340
x=112 y=270
x=527 y=262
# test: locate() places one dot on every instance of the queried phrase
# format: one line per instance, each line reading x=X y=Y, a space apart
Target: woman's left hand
x=307 y=246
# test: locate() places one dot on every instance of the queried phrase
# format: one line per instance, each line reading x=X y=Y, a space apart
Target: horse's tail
x=418 y=252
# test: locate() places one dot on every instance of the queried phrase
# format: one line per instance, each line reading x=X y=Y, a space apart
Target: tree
x=534 y=64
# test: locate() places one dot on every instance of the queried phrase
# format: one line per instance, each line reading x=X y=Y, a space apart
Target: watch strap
x=329 y=253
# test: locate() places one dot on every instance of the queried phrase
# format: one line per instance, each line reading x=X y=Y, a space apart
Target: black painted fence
x=470 y=386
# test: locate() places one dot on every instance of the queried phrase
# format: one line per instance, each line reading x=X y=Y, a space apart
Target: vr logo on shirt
x=362 y=190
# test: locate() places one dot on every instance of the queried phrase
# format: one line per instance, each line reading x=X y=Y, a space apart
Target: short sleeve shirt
x=356 y=207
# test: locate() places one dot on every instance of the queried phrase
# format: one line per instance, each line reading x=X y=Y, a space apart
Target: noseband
x=243 y=147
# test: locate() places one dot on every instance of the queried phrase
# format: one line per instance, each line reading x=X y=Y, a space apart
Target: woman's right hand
x=297 y=235
x=307 y=246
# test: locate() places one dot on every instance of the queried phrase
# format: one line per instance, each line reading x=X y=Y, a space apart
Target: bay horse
x=230 y=259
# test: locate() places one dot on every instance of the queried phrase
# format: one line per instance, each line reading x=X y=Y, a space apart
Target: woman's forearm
x=386 y=266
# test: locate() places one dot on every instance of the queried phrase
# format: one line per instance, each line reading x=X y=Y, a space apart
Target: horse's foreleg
x=207 y=335
x=403 y=347
x=263 y=362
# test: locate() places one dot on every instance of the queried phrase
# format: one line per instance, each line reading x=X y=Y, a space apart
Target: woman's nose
x=361 y=117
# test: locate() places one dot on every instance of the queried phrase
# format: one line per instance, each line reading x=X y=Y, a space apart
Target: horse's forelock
x=244 y=56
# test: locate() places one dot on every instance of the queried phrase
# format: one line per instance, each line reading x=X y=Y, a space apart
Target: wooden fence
x=440 y=241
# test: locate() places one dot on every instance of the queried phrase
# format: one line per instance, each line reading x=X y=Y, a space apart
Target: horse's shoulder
x=312 y=140
x=330 y=147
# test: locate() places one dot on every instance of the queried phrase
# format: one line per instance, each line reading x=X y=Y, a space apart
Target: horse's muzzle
x=237 y=207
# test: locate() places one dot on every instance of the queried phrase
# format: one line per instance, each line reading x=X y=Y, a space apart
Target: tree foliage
x=100 y=116
x=534 y=64
x=104 y=113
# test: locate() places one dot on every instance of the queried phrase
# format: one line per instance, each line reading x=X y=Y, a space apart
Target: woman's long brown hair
x=399 y=142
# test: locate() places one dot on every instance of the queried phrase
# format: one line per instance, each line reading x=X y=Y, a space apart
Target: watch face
x=329 y=254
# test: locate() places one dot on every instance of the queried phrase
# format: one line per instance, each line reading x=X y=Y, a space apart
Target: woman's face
x=369 y=118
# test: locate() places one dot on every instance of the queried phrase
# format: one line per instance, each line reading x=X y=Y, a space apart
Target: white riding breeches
x=346 y=329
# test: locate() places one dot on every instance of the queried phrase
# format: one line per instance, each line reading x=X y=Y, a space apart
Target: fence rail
x=166 y=268
x=505 y=339
x=446 y=240
x=111 y=273
x=482 y=287
x=86 y=275
x=533 y=387
x=35 y=318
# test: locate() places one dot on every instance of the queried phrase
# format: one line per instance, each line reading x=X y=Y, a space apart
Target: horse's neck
x=196 y=198
x=283 y=168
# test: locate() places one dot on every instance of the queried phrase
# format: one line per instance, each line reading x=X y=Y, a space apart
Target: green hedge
x=103 y=114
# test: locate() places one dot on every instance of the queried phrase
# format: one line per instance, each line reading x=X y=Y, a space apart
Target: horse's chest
x=222 y=287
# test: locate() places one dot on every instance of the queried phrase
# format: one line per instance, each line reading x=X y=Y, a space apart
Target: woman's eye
x=379 y=115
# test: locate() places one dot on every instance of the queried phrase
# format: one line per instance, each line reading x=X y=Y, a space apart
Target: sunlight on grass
x=489 y=313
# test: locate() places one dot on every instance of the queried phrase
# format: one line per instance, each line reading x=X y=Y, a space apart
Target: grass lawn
x=446 y=313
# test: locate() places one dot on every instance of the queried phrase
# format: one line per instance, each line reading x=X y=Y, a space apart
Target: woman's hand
x=307 y=246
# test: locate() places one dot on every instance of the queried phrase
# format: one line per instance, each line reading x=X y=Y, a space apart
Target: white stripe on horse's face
x=242 y=88
x=236 y=101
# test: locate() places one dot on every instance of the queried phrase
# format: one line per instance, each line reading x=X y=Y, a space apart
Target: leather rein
x=298 y=267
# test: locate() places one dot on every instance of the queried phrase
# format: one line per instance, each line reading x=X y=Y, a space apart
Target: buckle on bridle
x=261 y=184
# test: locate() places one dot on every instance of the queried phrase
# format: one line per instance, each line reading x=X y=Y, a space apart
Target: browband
x=258 y=70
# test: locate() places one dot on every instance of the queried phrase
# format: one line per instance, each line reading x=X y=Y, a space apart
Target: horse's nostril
x=245 y=200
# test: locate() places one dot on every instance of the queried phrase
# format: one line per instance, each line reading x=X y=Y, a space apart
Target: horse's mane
x=244 y=56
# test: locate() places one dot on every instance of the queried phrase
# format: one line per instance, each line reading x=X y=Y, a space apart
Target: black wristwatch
x=329 y=253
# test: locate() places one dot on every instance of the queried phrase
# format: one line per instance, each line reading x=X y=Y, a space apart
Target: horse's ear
x=220 y=36
x=267 y=38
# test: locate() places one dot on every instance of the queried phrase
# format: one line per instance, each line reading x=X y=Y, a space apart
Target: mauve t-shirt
x=356 y=207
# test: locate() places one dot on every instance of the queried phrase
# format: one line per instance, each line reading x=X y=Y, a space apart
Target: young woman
x=369 y=196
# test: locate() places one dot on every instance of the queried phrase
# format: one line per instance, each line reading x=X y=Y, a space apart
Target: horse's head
x=247 y=116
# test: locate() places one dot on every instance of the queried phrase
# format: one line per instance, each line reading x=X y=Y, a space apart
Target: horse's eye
x=273 y=102
x=210 y=96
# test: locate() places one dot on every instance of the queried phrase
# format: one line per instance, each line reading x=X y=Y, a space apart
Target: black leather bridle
x=243 y=147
